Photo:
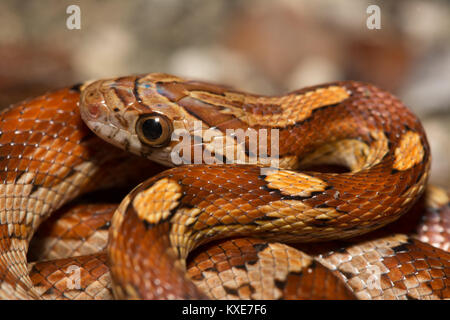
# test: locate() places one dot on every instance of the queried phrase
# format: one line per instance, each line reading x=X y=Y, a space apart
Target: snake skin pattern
x=53 y=158
x=405 y=274
x=48 y=157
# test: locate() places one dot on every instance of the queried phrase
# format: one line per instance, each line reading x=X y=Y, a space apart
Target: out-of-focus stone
x=27 y=71
x=220 y=65
x=105 y=53
x=383 y=60
x=276 y=38
x=438 y=132
x=428 y=88
x=11 y=26
x=427 y=22
x=314 y=70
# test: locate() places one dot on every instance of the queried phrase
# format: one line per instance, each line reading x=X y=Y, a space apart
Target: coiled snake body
x=49 y=157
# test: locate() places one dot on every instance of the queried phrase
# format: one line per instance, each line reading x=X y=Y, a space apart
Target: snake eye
x=154 y=129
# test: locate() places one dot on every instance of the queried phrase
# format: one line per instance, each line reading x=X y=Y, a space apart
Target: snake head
x=129 y=113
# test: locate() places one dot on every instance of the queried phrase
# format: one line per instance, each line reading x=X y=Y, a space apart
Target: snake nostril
x=94 y=111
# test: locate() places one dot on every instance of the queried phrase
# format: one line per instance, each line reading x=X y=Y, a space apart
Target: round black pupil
x=152 y=129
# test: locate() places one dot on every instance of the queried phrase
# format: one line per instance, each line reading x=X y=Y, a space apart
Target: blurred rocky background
x=257 y=45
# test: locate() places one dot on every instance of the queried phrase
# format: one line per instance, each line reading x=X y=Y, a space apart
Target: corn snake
x=368 y=130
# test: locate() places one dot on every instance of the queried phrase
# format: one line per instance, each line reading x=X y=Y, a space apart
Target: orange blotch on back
x=409 y=152
x=155 y=203
x=293 y=183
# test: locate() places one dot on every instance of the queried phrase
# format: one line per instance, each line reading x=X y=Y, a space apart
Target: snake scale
x=219 y=230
